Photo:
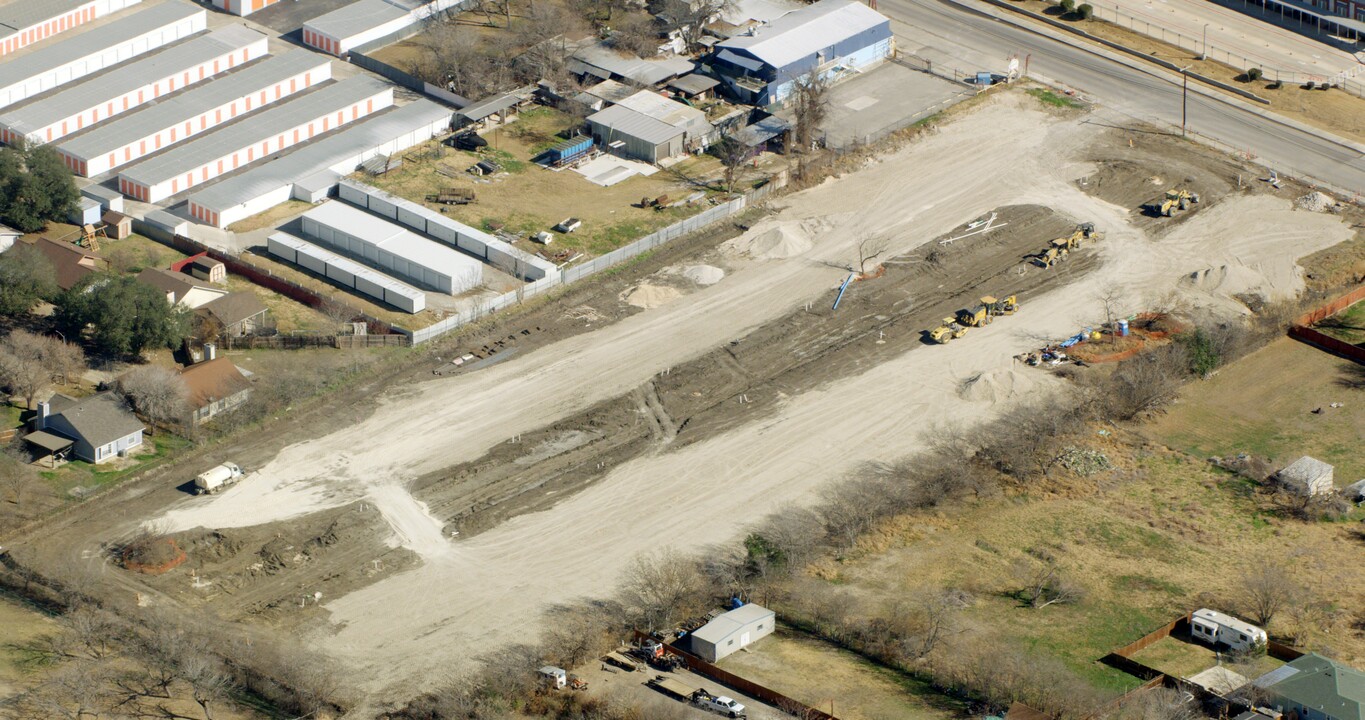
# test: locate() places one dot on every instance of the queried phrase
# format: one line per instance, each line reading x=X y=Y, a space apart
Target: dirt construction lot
x=728 y=381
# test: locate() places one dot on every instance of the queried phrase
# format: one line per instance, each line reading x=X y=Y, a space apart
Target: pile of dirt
x=152 y=555
x=782 y=240
x=703 y=274
x=1269 y=280
x=649 y=296
x=1315 y=202
x=993 y=387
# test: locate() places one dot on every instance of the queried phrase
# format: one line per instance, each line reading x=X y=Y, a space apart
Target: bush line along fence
x=1304 y=332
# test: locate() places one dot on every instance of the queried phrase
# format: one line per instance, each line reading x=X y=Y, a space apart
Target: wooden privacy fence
x=1304 y=332
x=303 y=342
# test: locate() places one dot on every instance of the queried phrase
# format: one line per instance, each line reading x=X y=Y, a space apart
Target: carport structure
x=55 y=445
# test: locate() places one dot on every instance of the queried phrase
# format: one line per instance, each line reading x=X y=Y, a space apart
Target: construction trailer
x=347 y=272
x=270 y=131
x=94 y=50
x=733 y=631
x=26 y=22
x=318 y=166
x=1215 y=628
x=130 y=86
x=131 y=137
x=392 y=248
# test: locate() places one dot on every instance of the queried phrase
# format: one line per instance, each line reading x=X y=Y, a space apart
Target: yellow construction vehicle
x=1175 y=199
x=1084 y=232
x=974 y=317
x=1005 y=306
x=1049 y=257
x=949 y=330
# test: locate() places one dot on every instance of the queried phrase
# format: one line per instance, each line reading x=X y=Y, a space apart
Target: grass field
x=1347 y=325
x=19 y=624
x=1184 y=658
x=88 y=477
x=821 y=675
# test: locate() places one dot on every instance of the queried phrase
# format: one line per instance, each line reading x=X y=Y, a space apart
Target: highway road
x=965 y=35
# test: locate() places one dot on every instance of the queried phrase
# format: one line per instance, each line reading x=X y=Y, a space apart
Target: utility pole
x=1184 y=96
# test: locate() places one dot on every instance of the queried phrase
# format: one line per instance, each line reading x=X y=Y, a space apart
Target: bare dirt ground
x=732 y=394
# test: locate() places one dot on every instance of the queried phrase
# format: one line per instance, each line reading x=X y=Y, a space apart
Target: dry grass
x=271 y=217
x=1184 y=658
x=1332 y=110
x=20 y=625
x=822 y=675
x=289 y=316
x=136 y=252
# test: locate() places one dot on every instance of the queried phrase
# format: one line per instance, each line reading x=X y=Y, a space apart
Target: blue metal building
x=831 y=38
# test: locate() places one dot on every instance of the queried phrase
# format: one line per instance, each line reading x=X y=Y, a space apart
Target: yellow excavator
x=949 y=330
x=1004 y=306
x=1175 y=199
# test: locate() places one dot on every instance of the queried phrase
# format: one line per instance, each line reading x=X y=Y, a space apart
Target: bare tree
x=810 y=96
x=30 y=363
x=159 y=393
x=16 y=477
x=870 y=247
x=1111 y=302
x=1266 y=588
x=1042 y=584
x=662 y=588
x=734 y=156
x=689 y=18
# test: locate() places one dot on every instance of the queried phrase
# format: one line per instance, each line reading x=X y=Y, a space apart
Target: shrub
x=1086 y=11
x=1068 y=6
x=1254 y=74
x=1309 y=86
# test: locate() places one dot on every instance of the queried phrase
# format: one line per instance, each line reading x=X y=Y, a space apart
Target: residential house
x=95 y=429
x=181 y=289
x=1313 y=687
x=650 y=127
x=232 y=315
x=215 y=386
x=8 y=236
x=70 y=263
x=831 y=38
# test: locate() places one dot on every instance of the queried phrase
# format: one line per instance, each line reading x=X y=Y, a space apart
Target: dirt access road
x=405 y=632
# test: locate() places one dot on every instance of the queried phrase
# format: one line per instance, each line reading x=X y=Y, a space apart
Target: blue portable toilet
x=983 y=78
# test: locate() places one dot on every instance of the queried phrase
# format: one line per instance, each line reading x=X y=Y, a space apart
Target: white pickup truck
x=214 y=479
x=718 y=703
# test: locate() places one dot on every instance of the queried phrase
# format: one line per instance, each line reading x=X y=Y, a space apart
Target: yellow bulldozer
x=949 y=330
x=1002 y=306
x=1175 y=199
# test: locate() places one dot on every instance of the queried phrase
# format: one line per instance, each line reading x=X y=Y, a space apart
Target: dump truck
x=1175 y=199
x=697 y=696
x=949 y=330
x=216 y=478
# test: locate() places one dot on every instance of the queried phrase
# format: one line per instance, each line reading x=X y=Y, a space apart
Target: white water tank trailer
x=216 y=478
x=1217 y=628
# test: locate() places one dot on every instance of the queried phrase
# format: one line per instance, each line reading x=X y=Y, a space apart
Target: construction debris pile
x=1316 y=202
x=1085 y=462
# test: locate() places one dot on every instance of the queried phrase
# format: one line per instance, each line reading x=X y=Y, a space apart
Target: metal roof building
x=598 y=60
x=347 y=272
x=265 y=186
x=831 y=37
x=651 y=126
x=26 y=22
x=242 y=8
x=733 y=631
x=255 y=136
x=131 y=85
x=133 y=136
x=73 y=58
x=392 y=248
x=365 y=21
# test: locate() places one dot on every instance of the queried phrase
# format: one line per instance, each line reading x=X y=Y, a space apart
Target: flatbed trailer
x=672 y=687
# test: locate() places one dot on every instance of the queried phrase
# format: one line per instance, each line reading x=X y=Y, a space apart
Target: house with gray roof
x=651 y=127
x=95 y=429
x=1315 y=688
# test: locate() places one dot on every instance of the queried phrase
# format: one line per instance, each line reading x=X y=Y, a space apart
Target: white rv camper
x=1217 y=628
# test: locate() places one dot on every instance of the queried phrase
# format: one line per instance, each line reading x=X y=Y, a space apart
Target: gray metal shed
x=733 y=631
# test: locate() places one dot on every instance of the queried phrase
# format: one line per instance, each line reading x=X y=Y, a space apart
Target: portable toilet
x=1123 y=328
x=555 y=677
x=983 y=78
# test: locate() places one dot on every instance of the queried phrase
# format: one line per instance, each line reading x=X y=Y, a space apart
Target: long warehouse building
x=94 y=50
x=26 y=22
x=392 y=248
x=145 y=131
x=242 y=7
x=311 y=171
x=346 y=272
x=253 y=137
x=131 y=85
x=350 y=26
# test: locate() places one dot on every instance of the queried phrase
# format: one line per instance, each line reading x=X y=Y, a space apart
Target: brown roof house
x=95 y=429
x=181 y=289
x=234 y=314
x=69 y=262
x=216 y=386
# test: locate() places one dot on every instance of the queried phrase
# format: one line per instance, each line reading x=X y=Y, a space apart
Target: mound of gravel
x=1315 y=202
x=648 y=296
x=995 y=386
x=703 y=274
x=783 y=240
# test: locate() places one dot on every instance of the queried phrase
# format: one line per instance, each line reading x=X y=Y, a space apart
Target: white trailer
x=214 y=479
x=1217 y=628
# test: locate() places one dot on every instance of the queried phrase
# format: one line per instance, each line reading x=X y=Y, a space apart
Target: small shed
x=86 y=211
x=733 y=631
x=117 y=225
x=1307 y=476
x=206 y=268
x=694 y=86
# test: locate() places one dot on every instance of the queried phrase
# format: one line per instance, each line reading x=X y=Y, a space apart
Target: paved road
x=958 y=34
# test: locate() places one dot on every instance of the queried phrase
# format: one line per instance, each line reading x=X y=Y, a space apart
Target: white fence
x=596 y=265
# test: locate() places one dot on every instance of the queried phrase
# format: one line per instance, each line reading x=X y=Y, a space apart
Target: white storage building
x=422 y=219
x=391 y=248
x=140 y=133
x=318 y=166
x=255 y=137
x=131 y=85
x=733 y=631
x=94 y=50
x=340 y=30
x=347 y=272
x=242 y=8
x=26 y=22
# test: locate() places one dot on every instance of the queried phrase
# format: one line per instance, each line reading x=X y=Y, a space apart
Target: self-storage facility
x=26 y=22
x=391 y=248
x=75 y=57
x=346 y=272
x=134 y=136
x=254 y=137
x=131 y=85
x=363 y=21
x=319 y=165
x=242 y=7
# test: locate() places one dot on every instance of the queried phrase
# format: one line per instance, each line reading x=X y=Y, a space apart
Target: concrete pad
x=1218 y=680
x=861 y=103
x=866 y=107
x=607 y=170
